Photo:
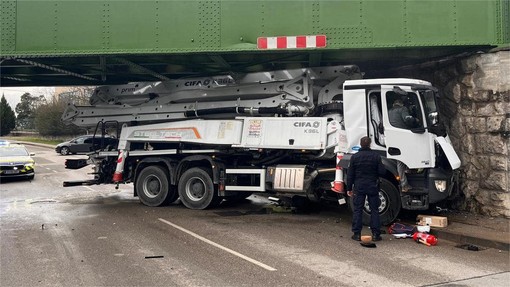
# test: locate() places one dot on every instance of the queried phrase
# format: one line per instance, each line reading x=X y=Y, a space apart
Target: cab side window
x=404 y=111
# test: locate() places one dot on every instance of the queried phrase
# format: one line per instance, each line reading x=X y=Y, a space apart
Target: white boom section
x=310 y=133
x=285 y=92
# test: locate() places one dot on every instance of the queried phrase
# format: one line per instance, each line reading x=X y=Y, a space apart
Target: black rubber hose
x=233 y=110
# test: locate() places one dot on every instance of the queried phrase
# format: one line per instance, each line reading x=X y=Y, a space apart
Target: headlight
x=30 y=164
x=440 y=185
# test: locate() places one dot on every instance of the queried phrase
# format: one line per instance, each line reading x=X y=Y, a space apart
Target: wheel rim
x=196 y=189
x=64 y=151
x=383 y=197
x=151 y=186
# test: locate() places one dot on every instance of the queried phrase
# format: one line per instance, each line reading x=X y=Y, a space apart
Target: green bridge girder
x=52 y=43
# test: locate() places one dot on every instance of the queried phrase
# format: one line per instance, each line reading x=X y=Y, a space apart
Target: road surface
x=100 y=236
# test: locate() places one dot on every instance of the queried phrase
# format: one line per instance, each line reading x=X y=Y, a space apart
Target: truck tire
x=196 y=189
x=390 y=204
x=153 y=187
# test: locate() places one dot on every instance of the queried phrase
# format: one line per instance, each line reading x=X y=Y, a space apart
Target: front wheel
x=153 y=187
x=64 y=150
x=390 y=204
x=196 y=189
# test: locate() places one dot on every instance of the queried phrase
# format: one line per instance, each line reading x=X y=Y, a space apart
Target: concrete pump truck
x=292 y=132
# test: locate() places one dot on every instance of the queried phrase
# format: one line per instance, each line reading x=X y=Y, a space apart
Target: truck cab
x=418 y=139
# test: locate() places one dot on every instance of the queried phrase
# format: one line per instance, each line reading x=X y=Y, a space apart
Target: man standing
x=364 y=169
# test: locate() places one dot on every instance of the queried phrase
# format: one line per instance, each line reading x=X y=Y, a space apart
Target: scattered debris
x=155 y=256
x=241 y=213
x=368 y=244
x=401 y=235
x=425 y=238
x=43 y=201
x=434 y=221
x=469 y=247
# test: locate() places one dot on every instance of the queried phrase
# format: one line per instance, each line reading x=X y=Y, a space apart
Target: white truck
x=281 y=132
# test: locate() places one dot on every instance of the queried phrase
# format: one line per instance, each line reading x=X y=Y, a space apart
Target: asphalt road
x=100 y=236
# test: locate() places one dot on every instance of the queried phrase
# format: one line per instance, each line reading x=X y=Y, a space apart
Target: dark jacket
x=365 y=167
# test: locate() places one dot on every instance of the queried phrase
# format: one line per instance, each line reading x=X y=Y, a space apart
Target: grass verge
x=35 y=140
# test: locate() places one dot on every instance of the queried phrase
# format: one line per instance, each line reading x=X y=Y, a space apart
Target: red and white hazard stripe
x=291 y=42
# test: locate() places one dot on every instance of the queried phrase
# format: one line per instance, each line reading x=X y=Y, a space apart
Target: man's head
x=365 y=142
x=398 y=103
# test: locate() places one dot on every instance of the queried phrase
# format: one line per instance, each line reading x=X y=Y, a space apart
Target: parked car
x=84 y=144
x=16 y=161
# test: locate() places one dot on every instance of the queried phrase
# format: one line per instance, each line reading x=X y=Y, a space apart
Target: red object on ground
x=425 y=238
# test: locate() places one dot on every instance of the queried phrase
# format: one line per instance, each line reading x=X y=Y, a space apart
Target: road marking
x=260 y=264
x=89 y=188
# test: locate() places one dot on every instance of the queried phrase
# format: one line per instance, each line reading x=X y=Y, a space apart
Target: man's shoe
x=376 y=238
x=356 y=236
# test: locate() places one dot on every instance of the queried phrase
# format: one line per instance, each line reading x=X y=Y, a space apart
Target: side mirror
x=32 y=153
x=433 y=118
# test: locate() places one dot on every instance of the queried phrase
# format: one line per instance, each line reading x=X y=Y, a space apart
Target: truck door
x=406 y=137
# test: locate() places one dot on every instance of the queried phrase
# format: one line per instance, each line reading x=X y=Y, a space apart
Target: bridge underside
x=55 y=42
x=119 y=69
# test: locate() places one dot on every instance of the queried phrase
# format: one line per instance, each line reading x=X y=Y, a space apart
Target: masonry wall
x=476 y=108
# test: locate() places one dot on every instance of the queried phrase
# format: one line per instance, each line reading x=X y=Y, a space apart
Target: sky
x=13 y=94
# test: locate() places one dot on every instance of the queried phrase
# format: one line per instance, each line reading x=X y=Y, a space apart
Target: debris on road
x=470 y=247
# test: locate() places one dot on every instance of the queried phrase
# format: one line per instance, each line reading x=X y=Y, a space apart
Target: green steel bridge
x=54 y=43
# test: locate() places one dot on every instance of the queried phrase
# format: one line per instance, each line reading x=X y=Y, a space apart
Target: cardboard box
x=434 y=221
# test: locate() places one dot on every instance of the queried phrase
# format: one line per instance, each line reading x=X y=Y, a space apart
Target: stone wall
x=476 y=108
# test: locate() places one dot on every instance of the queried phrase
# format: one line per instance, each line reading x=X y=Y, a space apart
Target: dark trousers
x=373 y=203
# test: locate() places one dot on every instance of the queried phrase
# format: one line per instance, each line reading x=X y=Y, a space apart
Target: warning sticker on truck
x=254 y=128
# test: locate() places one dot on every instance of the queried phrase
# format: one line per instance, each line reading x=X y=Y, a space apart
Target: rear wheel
x=196 y=189
x=153 y=187
x=390 y=204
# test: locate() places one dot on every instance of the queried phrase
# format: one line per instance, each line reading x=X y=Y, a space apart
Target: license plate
x=11 y=171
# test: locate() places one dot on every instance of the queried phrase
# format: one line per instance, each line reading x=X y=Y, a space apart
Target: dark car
x=85 y=144
x=16 y=161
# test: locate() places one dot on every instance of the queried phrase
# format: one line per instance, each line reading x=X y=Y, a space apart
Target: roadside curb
x=35 y=144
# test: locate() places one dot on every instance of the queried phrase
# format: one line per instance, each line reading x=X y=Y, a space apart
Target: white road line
x=90 y=188
x=260 y=264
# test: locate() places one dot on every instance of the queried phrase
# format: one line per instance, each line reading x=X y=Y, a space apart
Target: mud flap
x=76 y=163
